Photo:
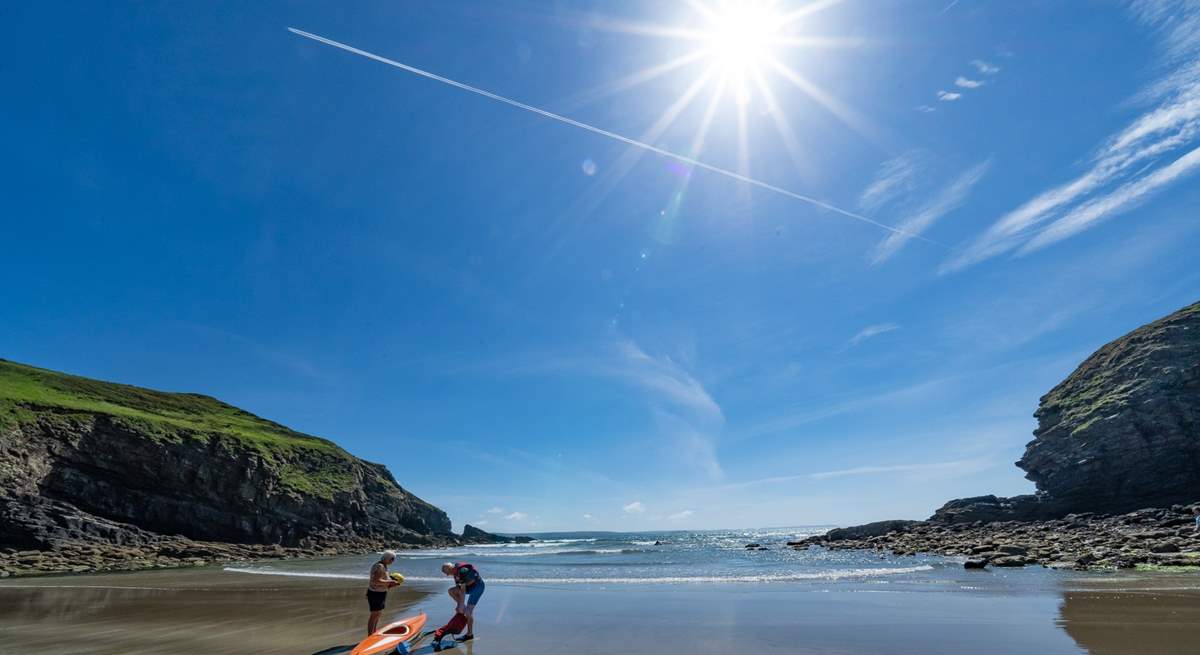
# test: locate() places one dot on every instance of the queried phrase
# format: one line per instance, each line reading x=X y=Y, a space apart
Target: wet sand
x=185 y=611
x=211 y=611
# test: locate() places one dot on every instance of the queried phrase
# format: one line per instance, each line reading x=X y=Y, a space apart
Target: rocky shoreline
x=168 y=553
x=1146 y=539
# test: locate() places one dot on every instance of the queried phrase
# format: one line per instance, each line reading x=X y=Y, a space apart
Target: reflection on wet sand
x=218 y=613
x=192 y=611
x=1159 y=616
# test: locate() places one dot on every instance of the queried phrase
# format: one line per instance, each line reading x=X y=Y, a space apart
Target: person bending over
x=468 y=587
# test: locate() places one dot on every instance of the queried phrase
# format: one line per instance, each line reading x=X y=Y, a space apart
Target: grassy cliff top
x=27 y=391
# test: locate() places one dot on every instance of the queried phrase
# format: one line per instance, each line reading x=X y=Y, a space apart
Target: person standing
x=377 y=587
x=468 y=587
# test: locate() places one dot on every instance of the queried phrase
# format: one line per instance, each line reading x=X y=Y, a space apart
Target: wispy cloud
x=588 y=517
x=496 y=510
x=636 y=507
x=516 y=516
x=871 y=331
x=808 y=413
x=947 y=200
x=967 y=83
x=926 y=109
x=1123 y=199
x=670 y=382
x=952 y=467
x=948 y=96
x=956 y=465
x=984 y=67
x=1129 y=166
x=681 y=516
x=895 y=177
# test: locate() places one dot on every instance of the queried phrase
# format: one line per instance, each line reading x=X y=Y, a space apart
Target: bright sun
x=741 y=36
x=739 y=50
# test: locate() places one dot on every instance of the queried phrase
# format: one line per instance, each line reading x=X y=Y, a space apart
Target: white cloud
x=1123 y=199
x=480 y=523
x=669 y=381
x=516 y=516
x=682 y=406
x=681 y=516
x=588 y=517
x=496 y=510
x=984 y=67
x=636 y=507
x=895 y=177
x=1128 y=166
x=967 y=83
x=926 y=109
x=871 y=331
x=948 y=200
x=948 y=96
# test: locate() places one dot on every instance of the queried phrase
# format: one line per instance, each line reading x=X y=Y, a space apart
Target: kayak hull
x=387 y=638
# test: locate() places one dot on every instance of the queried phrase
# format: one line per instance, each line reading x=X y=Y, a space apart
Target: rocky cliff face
x=88 y=461
x=1123 y=431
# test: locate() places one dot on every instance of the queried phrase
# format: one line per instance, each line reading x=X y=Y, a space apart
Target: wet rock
x=975 y=564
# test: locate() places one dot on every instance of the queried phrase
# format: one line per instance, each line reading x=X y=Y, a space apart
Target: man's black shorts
x=375 y=599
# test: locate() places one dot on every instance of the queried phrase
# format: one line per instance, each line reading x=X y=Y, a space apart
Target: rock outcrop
x=1116 y=461
x=1146 y=538
x=473 y=535
x=89 y=462
x=865 y=531
x=1123 y=431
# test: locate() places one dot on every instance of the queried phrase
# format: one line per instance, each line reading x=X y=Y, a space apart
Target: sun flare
x=738 y=52
x=741 y=37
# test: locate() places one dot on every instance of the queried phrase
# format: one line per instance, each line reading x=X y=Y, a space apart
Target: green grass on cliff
x=308 y=464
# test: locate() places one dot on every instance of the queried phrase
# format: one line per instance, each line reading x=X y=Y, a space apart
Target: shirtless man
x=377 y=588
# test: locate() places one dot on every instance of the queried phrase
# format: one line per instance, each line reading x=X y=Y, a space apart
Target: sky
x=869 y=236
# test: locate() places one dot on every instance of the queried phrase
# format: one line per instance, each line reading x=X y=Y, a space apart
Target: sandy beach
x=215 y=611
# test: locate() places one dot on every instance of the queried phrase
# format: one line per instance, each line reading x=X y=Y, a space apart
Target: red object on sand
x=454 y=626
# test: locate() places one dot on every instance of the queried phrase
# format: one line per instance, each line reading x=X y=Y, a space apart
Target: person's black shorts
x=375 y=599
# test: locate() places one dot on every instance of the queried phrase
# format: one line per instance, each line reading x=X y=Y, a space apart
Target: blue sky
x=537 y=327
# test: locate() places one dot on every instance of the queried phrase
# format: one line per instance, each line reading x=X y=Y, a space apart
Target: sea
x=614 y=559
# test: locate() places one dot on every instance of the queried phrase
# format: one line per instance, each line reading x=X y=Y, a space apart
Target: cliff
x=1116 y=461
x=1122 y=432
x=84 y=461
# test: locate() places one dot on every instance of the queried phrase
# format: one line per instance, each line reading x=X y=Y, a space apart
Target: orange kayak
x=387 y=638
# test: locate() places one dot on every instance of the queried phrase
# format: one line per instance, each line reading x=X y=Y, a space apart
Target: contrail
x=613 y=135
